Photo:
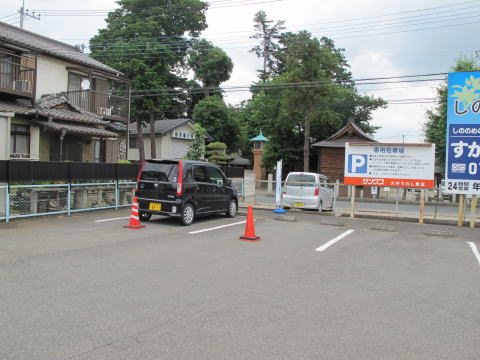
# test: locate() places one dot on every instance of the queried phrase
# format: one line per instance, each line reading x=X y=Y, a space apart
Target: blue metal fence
x=19 y=201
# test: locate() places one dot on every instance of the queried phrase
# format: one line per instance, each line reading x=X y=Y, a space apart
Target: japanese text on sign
x=395 y=165
x=462 y=175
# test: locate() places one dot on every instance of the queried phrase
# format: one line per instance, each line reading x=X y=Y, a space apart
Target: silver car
x=307 y=191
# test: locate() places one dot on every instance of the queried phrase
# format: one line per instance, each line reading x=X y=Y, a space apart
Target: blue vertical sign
x=462 y=167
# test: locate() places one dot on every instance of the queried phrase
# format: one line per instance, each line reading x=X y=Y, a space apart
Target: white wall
x=5 y=135
x=34 y=142
x=163 y=144
x=52 y=76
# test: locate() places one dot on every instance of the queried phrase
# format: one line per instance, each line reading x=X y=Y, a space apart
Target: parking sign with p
x=357 y=163
x=389 y=164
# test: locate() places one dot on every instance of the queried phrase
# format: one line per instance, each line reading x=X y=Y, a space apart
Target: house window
x=99 y=151
x=77 y=82
x=6 y=71
x=133 y=142
x=20 y=139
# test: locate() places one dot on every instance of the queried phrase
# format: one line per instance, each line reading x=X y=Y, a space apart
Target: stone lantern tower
x=258 y=146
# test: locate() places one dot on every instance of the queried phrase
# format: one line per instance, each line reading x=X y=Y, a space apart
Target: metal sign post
x=461 y=210
x=422 y=207
x=278 y=189
x=473 y=211
x=352 y=202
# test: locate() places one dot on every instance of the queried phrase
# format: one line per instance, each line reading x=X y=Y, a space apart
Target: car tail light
x=284 y=193
x=317 y=190
x=180 y=179
x=139 y=175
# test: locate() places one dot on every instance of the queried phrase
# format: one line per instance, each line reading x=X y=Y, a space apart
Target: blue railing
x=20 y=201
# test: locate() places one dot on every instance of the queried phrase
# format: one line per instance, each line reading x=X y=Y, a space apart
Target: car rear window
x=165 y=172
x=301 y=180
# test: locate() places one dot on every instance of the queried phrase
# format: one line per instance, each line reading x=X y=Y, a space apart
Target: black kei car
x=184 y=189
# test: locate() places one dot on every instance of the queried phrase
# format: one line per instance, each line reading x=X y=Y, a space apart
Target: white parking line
x=120 y=218
x=475 y=251
x=217 y=227
x=334 y=240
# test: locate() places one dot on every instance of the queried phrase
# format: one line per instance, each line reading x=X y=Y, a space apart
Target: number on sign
x=472 y=168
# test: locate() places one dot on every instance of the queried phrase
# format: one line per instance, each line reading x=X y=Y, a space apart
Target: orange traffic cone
x=250 y=228
x=134 y=221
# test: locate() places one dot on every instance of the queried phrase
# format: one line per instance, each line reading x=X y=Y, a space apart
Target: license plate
x=155 y=206
x=299 y=204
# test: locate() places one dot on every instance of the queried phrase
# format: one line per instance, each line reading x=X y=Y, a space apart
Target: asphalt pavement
x=317 y=288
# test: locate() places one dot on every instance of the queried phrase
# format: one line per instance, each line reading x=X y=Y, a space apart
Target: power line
x=92 y=12
x=344 y=37
x=339 y=104
x=170 y=91
x=348 y=19
x=179 y=47
x=132 y=43
x=7 y=16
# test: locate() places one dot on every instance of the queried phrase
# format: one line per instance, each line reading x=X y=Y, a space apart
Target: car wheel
x=188 y=214
x=144 y=216
x=232 y=209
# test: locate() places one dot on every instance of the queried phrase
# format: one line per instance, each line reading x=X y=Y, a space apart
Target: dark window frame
x=14 y=132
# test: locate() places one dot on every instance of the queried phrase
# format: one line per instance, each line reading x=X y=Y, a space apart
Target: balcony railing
x=17 y=74
x=107 y=105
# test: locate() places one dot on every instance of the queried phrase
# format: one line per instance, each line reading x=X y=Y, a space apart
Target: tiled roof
x=161 y=126
x=119 y=127
x=74 y=128
x=350 y=132
x=75 y=121
x=45 y=107
x=47 y=46
x=15 y=106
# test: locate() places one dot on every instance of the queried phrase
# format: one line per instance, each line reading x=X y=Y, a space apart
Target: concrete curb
x=372 y=215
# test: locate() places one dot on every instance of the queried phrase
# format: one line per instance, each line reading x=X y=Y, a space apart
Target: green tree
x=196 y=151
x=325 y=82
x=217 y=153
x=211 y=65
x=268 y=35
x=310 y=96
x=435 y=126
x=147 y=41
x=215 y=116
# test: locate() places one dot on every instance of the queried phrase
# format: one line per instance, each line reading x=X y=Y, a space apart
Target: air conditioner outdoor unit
x=22 y=85
x=104 y=111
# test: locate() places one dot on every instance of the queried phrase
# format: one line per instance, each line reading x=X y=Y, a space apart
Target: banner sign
x=462 y=175
x=278 y=184
x=394 y=165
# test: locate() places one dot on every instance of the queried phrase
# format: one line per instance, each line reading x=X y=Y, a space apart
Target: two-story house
x=57 y=103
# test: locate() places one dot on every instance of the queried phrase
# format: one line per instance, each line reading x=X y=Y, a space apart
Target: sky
x=381 y=39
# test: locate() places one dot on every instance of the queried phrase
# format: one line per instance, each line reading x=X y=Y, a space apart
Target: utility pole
x=24 y=13
x=403 y=139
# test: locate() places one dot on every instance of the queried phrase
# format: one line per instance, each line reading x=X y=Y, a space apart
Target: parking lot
x=83 y=287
